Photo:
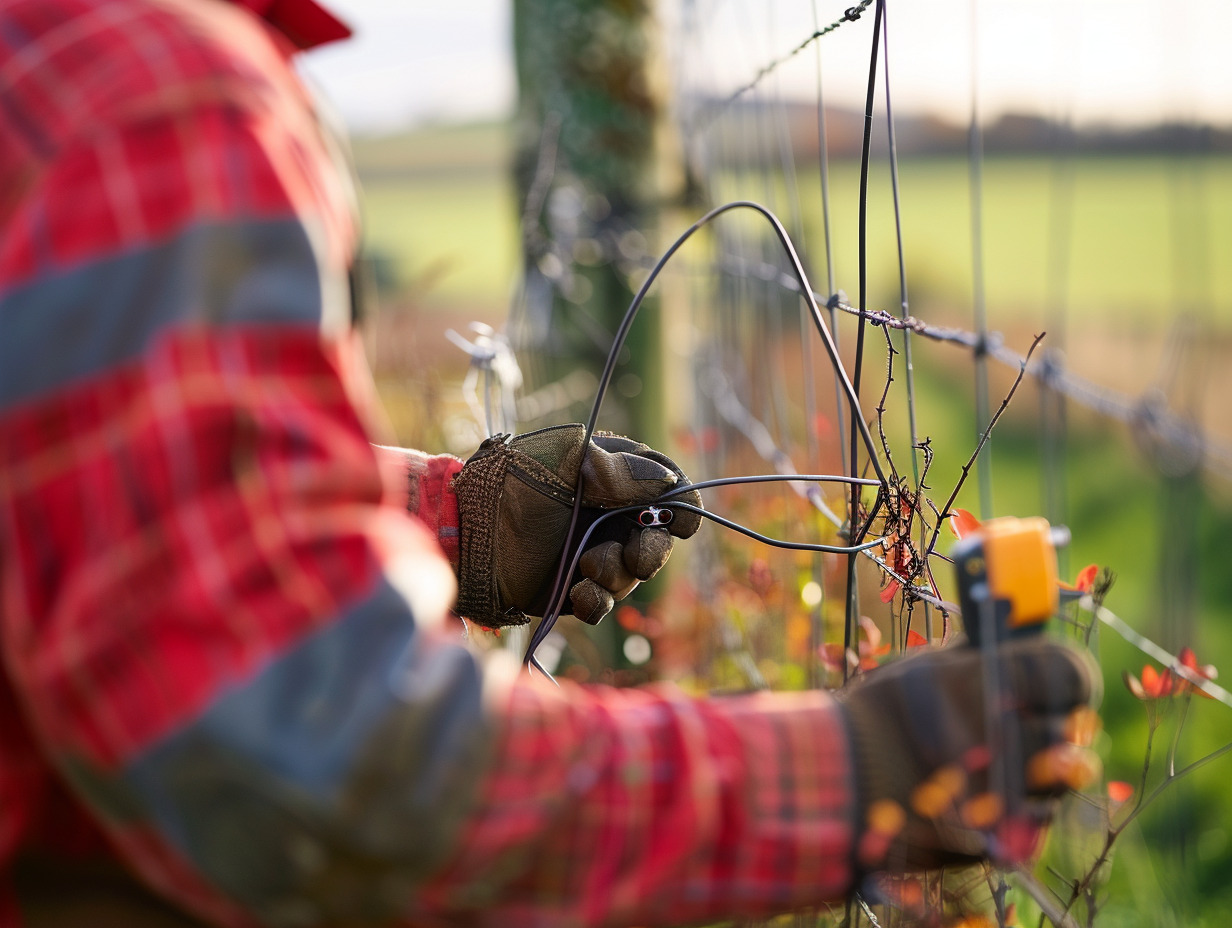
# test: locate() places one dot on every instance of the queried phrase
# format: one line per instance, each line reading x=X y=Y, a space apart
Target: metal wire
x=1143 y=411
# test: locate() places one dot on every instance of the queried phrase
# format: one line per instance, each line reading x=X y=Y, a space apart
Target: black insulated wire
x=860 y=428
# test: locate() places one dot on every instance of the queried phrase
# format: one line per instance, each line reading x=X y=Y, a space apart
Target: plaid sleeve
x=647 y=807
x=217 y=629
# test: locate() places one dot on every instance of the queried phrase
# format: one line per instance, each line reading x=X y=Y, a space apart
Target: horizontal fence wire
x=1144 y=412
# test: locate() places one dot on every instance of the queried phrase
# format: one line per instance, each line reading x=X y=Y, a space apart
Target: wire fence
x=753 y=405
x=770 y=373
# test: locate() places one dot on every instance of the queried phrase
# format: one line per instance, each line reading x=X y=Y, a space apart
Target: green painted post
x=585 y=164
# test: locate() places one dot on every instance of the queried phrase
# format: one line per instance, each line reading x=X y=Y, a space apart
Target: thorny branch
x=944 y=512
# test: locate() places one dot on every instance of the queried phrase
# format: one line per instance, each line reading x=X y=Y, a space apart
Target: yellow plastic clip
x=1021 y=562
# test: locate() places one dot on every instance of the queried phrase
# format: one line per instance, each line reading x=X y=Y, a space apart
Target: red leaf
x=761 y=578
x=831 y=654
x=963 y=523
x=685 y=439
x=1085 y=581
x=890 y=590
x=629 y=618
x=916 y=640
x=1189 y=661
x=1017 y=839
x=1156 y=684
x=977 y=758
x=1119 y=791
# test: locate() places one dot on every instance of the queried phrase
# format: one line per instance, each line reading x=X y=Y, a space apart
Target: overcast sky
x=417 y=61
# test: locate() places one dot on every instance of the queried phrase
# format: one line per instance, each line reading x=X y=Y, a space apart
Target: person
x=231 y=693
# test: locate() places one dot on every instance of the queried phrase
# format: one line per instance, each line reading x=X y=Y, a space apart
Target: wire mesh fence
x=1099 y=417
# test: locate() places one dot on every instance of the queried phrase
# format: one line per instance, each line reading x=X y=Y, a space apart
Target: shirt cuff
x=421 y=483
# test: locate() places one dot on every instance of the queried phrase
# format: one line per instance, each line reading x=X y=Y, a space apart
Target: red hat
x=304 y=22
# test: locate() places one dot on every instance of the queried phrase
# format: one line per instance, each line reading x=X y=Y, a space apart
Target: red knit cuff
x=431 y=498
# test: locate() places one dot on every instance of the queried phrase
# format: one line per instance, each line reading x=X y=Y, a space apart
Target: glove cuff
x=870 y=779
x=478 y=488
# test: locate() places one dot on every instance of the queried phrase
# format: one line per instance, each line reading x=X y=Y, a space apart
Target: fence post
x=586 y=125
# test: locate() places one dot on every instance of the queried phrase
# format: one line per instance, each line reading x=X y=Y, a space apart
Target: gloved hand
x=515 y=498
x=933 y=787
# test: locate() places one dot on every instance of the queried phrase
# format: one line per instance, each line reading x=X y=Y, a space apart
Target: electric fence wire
x=852 y=612
x=564 y=569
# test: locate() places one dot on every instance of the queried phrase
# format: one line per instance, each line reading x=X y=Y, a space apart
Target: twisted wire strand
x=709 y=115
x=1143 y=411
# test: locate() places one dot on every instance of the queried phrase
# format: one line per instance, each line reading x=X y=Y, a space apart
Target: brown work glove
x=515 y=498
x=933 y=789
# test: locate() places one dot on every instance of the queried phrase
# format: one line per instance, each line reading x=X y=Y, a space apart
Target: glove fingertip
x=590 y=602
x=685 y=522
x=647 y=551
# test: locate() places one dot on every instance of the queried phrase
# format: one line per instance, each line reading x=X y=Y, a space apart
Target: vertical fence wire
x=975 y=168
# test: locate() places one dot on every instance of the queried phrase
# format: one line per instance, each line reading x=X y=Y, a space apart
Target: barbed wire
x=1188 y=444
x=715 y=110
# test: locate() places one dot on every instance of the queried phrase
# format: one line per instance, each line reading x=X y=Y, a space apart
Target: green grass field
x=439 y=209
x=1124 y=220
x=1147 y=235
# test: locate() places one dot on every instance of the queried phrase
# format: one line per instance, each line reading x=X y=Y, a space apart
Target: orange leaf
x=1085 y=581
x=1151 y=681
x=916 y=640
x=629 y=618
x=1156 y=684
x=1119 y=791
x=891 y=589
x=963 y=523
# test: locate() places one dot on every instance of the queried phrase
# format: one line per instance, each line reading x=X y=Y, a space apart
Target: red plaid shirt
x=226 y=657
